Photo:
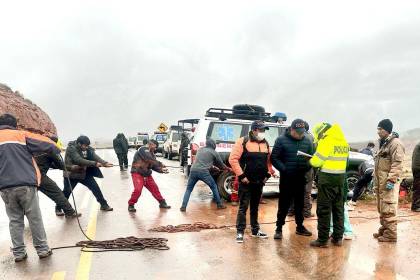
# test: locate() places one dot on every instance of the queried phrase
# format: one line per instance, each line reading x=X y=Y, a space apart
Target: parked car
x=132 y=140
x=160 y=137
x=142 y=137
x=172 y=143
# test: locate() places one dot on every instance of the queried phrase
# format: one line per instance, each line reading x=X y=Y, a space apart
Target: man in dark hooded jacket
x=120 y=145
x=415 y=167
x=206 y=158
x=49 y=187
x=82 y=166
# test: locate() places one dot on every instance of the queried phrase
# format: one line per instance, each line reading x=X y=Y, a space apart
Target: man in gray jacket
x=206 y=158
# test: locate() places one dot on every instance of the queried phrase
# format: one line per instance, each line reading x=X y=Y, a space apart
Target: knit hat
x=386 y=124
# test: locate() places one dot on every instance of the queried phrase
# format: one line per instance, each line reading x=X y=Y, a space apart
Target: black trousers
x=416 y=191
x=122 y=160
x=330 y=201
x=50 y=189
x=249 y=196
x=90 y=183
x=361 y=185
x=292 y=189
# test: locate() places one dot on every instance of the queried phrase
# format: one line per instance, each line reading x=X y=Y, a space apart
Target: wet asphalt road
x=211 y=254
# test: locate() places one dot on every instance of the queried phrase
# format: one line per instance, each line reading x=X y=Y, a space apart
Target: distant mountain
x=412 y=134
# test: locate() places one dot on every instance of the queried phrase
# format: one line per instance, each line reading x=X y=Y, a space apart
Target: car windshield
x=175 y=137
x=140 y=138
x=132 y=139
x=160 y=137
x=225 y=132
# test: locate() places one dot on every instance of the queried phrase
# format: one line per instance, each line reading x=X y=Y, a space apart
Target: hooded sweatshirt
x=207 y=157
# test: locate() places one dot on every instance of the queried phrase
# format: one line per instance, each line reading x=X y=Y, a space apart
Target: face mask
x=261 y=136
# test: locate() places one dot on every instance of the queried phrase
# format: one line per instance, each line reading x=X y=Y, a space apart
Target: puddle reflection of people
x=385 y=263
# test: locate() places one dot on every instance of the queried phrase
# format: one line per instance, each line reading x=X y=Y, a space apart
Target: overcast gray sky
x=100 y=68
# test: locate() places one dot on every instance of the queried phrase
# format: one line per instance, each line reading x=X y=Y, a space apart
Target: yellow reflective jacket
x=332 y=151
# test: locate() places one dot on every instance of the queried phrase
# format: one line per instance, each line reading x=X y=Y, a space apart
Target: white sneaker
x=350 y=207
x=352 y=203
x=348 y=237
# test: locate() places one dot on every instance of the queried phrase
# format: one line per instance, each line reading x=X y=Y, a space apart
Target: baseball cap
x=298 y=125
x=259 y=125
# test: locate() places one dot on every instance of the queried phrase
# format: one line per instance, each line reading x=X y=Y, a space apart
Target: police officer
x=331 y=157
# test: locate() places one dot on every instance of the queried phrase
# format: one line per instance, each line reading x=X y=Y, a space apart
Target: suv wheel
x=352 y=178
x=225 y=184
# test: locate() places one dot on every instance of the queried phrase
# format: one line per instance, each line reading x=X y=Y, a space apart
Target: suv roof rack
x=224 y=114
x=191 y=122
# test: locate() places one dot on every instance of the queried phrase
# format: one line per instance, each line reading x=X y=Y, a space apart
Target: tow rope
x=121 y=244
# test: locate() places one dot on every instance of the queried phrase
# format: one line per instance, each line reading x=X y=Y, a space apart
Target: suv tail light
x=194 y=149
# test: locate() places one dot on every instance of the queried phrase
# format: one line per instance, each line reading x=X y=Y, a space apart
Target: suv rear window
x=160 y=137
x=225 y=132
x=272 y=134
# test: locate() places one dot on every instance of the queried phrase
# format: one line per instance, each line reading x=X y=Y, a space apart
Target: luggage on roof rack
x=224 y=114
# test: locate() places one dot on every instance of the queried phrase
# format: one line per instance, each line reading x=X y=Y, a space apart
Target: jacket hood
x=335 y=132
x=210 y=143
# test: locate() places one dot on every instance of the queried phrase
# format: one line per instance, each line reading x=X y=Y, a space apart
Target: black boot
x=163 y=204
x=131 y=208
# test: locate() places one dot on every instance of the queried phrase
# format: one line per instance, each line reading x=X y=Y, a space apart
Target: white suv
x=172 y=143
x=225 y=126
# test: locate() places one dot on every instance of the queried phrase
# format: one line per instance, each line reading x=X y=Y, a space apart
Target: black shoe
x=164 y=205
x=317 y=243
x=290 y=214
x=45 y=255
x=278 y=235
x=131 y=208
x=240 y=237
x=221 y=206
x=73 y=215
x=59 y=212
x=337 y=242
x=183 y=209
x=21 y=259
x=106 y=207
x=259 y=234
x=301 y=230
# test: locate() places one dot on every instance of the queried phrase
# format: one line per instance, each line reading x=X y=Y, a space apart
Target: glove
x=389 y=186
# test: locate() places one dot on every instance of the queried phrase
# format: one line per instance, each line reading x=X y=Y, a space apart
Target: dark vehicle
x=355 y=159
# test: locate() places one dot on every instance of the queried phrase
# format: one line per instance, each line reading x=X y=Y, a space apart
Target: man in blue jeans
x=206 y=158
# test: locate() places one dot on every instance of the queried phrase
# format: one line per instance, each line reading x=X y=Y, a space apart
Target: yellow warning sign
x=162 y=127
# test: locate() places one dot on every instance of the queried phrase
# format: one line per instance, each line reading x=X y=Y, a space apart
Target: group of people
x=25 y=159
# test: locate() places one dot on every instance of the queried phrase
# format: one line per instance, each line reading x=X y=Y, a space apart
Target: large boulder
x=30 y=117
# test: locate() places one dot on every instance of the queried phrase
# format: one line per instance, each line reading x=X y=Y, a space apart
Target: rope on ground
x=195 y=227
x=130 y=243
x=199 y=226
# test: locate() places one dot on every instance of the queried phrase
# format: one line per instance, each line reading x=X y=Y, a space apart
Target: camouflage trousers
x=387 y=202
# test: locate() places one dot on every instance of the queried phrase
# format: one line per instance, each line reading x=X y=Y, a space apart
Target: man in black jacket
x=120 y=145
x=49 y=187
x=292 y=170
x=82 y=164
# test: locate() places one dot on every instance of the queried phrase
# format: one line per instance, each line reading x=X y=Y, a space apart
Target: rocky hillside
x=30 y=116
